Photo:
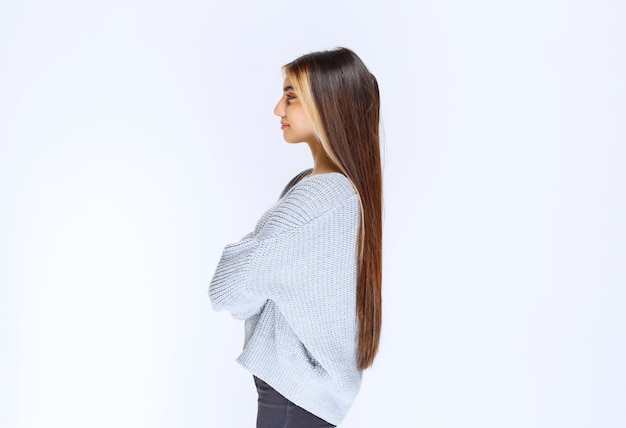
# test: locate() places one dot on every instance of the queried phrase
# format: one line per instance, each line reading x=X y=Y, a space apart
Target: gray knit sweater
x=293 y=279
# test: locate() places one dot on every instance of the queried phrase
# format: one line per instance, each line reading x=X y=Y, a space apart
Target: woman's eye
x=290 y=97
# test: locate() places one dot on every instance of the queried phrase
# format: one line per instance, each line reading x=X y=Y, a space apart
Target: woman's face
x=294 y=120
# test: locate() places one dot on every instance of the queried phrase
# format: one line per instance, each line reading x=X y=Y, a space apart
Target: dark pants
x=275 y=411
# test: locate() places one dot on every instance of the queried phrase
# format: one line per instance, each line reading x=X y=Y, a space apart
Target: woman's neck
x=321 y=163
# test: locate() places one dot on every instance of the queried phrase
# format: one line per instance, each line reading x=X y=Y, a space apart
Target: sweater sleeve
x=229 y=289
x=303 y=258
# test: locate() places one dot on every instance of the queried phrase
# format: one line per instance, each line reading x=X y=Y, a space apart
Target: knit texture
x=293 y=279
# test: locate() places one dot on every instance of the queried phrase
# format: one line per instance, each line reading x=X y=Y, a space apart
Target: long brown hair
x=342 y=98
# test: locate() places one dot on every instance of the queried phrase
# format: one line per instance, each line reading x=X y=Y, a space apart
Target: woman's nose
x=279 y=110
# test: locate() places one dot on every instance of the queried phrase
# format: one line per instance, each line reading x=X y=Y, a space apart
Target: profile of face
x=295 y=122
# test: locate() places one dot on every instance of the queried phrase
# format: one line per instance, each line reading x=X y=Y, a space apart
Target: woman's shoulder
x=309 y=199
x=329 y=187
x=313 y=195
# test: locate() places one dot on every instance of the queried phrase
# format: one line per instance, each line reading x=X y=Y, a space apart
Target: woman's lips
x=283 y=125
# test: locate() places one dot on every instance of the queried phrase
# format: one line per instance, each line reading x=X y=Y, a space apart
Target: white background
x=137 y=139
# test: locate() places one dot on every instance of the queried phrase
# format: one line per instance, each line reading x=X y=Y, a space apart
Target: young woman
x=307 y=280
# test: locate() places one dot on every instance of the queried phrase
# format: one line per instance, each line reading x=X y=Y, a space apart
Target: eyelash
x=290 y=97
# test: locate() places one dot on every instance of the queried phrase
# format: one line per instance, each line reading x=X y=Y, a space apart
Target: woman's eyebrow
x=288 y=88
